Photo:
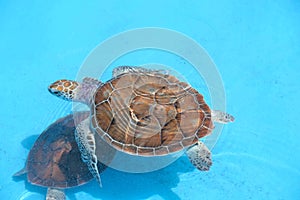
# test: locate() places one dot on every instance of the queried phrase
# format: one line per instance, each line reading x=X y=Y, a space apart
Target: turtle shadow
x=122 y=185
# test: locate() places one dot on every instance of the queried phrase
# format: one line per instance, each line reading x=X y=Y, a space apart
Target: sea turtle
x=54 y=160
x=142 y=112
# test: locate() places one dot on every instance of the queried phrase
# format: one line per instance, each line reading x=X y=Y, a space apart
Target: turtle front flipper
x=55 y=194
x=87 y=146
x=130 y=69
x=200 y=156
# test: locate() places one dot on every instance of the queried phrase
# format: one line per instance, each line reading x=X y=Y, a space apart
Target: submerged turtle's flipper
x=55 y=194
x=200 y=156
x=87 y=146
x=21 y=172
x=221 y=117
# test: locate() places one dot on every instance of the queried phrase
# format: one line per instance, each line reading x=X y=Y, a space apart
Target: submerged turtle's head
x=64 y=89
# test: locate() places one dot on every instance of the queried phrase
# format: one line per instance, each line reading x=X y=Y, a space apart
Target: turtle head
x=64 y=89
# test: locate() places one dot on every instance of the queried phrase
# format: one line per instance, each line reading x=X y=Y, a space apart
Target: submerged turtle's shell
x=54 y=160
x=149 y=113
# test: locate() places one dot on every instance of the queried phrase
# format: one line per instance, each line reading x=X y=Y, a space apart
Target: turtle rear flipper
x=55 y=194
x=200 y=156
x=221 y=117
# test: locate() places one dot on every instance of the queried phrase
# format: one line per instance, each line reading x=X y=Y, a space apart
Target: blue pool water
x=255 y=46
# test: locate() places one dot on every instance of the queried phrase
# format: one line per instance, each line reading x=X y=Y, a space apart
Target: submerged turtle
x=142 y=112
x=55 y=162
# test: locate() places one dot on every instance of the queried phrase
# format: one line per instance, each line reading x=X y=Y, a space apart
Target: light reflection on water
x=27 y=195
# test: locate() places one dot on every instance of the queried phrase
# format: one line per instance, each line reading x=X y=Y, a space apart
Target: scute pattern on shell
x=150 y=114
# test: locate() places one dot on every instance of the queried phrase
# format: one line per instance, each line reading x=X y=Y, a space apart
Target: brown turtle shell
x=54 y=160
x=149 y=114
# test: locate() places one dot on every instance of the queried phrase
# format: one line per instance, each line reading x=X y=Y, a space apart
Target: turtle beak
x=53 y=91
